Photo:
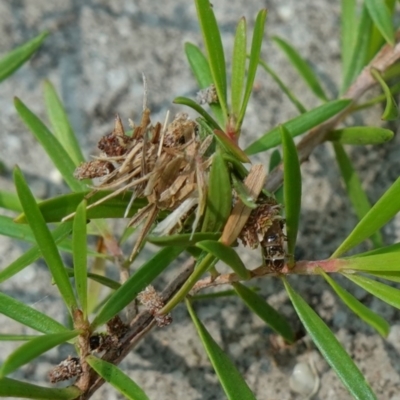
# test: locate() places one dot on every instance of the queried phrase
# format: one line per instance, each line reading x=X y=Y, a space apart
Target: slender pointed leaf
x=215 y=50
x=79 y=243
x=348 y=31
x=389 y=261
x=267 y=313
x=61 y=232
x=235 y=387
x=393 y=248
x=231 y=147
x=238 y=66
x=291 y=189
x=391 y=111
x=296 y=102
x=33 y=349
x=201 y=70
x=303 y=68
x=17 y=57
x=136 y=283
x=192 y=104
x=219 y=196
x=51 y=145
x=255 y=52
x=382 y=212
x=360 y=135
x=10 y=201
x=298 y=125
x=360 y=50
x=113 y=375
x=331 y=349
x=243 y=193
x=367 y=315
x=97 y=278
x=393 y=276
x=28 y=316
x=225 y=254
x=182 y=239
x=61 y=126
x=13 y=388
x=380 y=14
x=380 y=290
x=357 y=195
x=56 y=208
x=44 y=240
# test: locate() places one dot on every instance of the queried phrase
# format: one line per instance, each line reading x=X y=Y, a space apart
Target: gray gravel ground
x=95 y=57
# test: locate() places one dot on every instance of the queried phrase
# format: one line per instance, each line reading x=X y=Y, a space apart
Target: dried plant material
x=208 y=95
x=116 y=327
x=67 y=369
x=254 y=183
x=265 y=227
x=165 y=164
x=153 y=303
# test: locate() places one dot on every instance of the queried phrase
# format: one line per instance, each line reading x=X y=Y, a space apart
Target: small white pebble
x=304 y=380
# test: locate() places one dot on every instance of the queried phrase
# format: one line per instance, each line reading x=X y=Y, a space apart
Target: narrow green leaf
x=331 y=349
x=33 y=349
x=395 y=89
x=28 y=316
x=201 y=70
x=56 y=208
x=393 y=248
x=12 y=388
x=227 y=255
x=113 y=375
x=192 y=104
x=10 y=201
x=378 y=262
x=391 y=111
x=16 y=338
x=367 y=315
x=61 y=126
x=348 y=31
x=215 y=50
x=204 y=263
x=79 y=243
x=44 y=240
x=380 y=14
x=235 y=387
x=291 y=189
x=219 y=196
x=360 y=135
x=51 y=145
x=182 y=239
x=267 y=313
x=360 y=50
x=243 y=193
x=393 y=276
x=380 y=290
x=357 y=195
x=255 y=52
x=97 y=278
x=298 y=125
x=296 y=102
x=382 y=212
x=303 y=68
x=136 y=283
x=238 y=66
x=17 y=57
x=230 y=146
x=61 y=232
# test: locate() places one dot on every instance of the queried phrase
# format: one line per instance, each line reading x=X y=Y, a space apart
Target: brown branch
x=138 y=328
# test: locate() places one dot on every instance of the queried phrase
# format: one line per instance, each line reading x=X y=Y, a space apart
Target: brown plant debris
x=67 y=369
x=264 y=227
x=154 y=303
x=165 y=164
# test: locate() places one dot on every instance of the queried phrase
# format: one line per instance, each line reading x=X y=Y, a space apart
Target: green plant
x=212 y=165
